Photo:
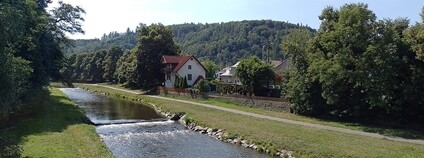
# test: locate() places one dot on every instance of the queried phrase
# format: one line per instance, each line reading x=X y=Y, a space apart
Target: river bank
x=57 y=128
x=303 y=141
x=134 y=129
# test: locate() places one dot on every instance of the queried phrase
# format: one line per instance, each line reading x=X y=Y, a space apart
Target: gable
x=184 y=60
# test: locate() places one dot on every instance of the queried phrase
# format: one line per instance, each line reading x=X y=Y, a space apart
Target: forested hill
x=223 y=43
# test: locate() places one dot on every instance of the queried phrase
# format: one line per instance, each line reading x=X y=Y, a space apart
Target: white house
x=228 y=75
x=182 y=66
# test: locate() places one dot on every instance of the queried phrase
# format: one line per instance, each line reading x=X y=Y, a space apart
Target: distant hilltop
x=223 y=43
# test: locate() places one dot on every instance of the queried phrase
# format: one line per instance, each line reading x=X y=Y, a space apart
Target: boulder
x=210 y=130
x=198 y=128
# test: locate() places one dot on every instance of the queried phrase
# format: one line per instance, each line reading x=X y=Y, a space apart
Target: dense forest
x=31 y=42
x=358 y=68
x=223 y=43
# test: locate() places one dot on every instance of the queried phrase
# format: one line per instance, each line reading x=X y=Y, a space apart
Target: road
x=311 y=125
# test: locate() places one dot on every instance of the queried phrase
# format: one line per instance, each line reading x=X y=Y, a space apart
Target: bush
x=202 y=86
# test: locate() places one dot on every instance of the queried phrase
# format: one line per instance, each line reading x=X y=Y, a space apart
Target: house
x=280 y=66
x=182 y=66
x=228 y=75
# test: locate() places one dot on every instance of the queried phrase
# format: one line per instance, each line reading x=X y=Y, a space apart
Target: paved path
x=318 y=126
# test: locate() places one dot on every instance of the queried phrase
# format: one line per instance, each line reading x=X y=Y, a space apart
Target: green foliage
x=254 y=74
x=184 y=82
x=188 y=120
x=126 y=41
x=109 y=64
x=229 y=88
x=211 y=68
x=154 y=41
x=202 y=86
x=222 y=43
x=357 y=68
x=176 y=82
x=98 y=67
x=415 y=37
x=30 y=48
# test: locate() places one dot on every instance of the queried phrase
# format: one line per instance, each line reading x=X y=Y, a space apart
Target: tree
x=66 y=19
x=30 y=50
x=415 y=37
x=356 y=68
x=211 y=68
x=303 y=92
x=184 y=82
x=254 y=74
x=126 y=71
x=110 y=63
x=154 y=41
x=294 y=46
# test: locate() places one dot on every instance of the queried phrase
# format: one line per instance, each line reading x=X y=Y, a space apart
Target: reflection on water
x=103 y=110
x=135 y=130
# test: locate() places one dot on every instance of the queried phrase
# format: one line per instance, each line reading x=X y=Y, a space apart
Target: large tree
x=254 y=74
x=154 y=41
x=109 y=64
x=356 y=67
x=30 y=48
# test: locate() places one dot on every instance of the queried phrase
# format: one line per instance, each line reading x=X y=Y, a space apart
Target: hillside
x=223 y=43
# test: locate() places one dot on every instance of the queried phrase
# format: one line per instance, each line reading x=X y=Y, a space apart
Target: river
x=131 y=129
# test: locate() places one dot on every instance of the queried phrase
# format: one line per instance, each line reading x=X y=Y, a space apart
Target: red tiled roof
x=180 y=60
x=183 y=60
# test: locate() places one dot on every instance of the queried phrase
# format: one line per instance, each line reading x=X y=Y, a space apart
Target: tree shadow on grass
x=395 y=130
x=51 y=113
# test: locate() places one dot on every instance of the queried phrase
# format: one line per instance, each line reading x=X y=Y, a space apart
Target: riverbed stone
x=198 y=128
x=236 y=141
x=277 y=154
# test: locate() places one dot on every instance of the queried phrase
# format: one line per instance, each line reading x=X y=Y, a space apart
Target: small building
x=280 y=66
x=228 y=75
x=182 y=66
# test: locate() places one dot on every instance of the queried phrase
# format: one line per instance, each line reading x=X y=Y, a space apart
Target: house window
x=168 y=77
x=189 y=77
x=189 y=66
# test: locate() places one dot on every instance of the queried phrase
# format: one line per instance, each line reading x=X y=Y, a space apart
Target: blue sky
x=104 y=16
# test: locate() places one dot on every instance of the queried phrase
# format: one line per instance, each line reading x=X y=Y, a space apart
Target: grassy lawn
x=304 y=141
x=354 y=126
x=57 y=128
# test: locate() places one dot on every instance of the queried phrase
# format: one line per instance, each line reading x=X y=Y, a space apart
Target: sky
x=104 y=16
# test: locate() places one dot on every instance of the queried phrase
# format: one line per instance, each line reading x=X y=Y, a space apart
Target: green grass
x=57 y=128
x=304 y=141
x=387 y=131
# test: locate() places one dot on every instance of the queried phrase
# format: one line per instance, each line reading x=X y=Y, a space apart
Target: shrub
x=202 y=86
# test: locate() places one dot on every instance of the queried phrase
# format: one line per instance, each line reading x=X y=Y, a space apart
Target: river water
x=134 y=130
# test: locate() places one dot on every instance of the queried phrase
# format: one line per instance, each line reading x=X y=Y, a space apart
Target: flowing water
x=134 y=130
